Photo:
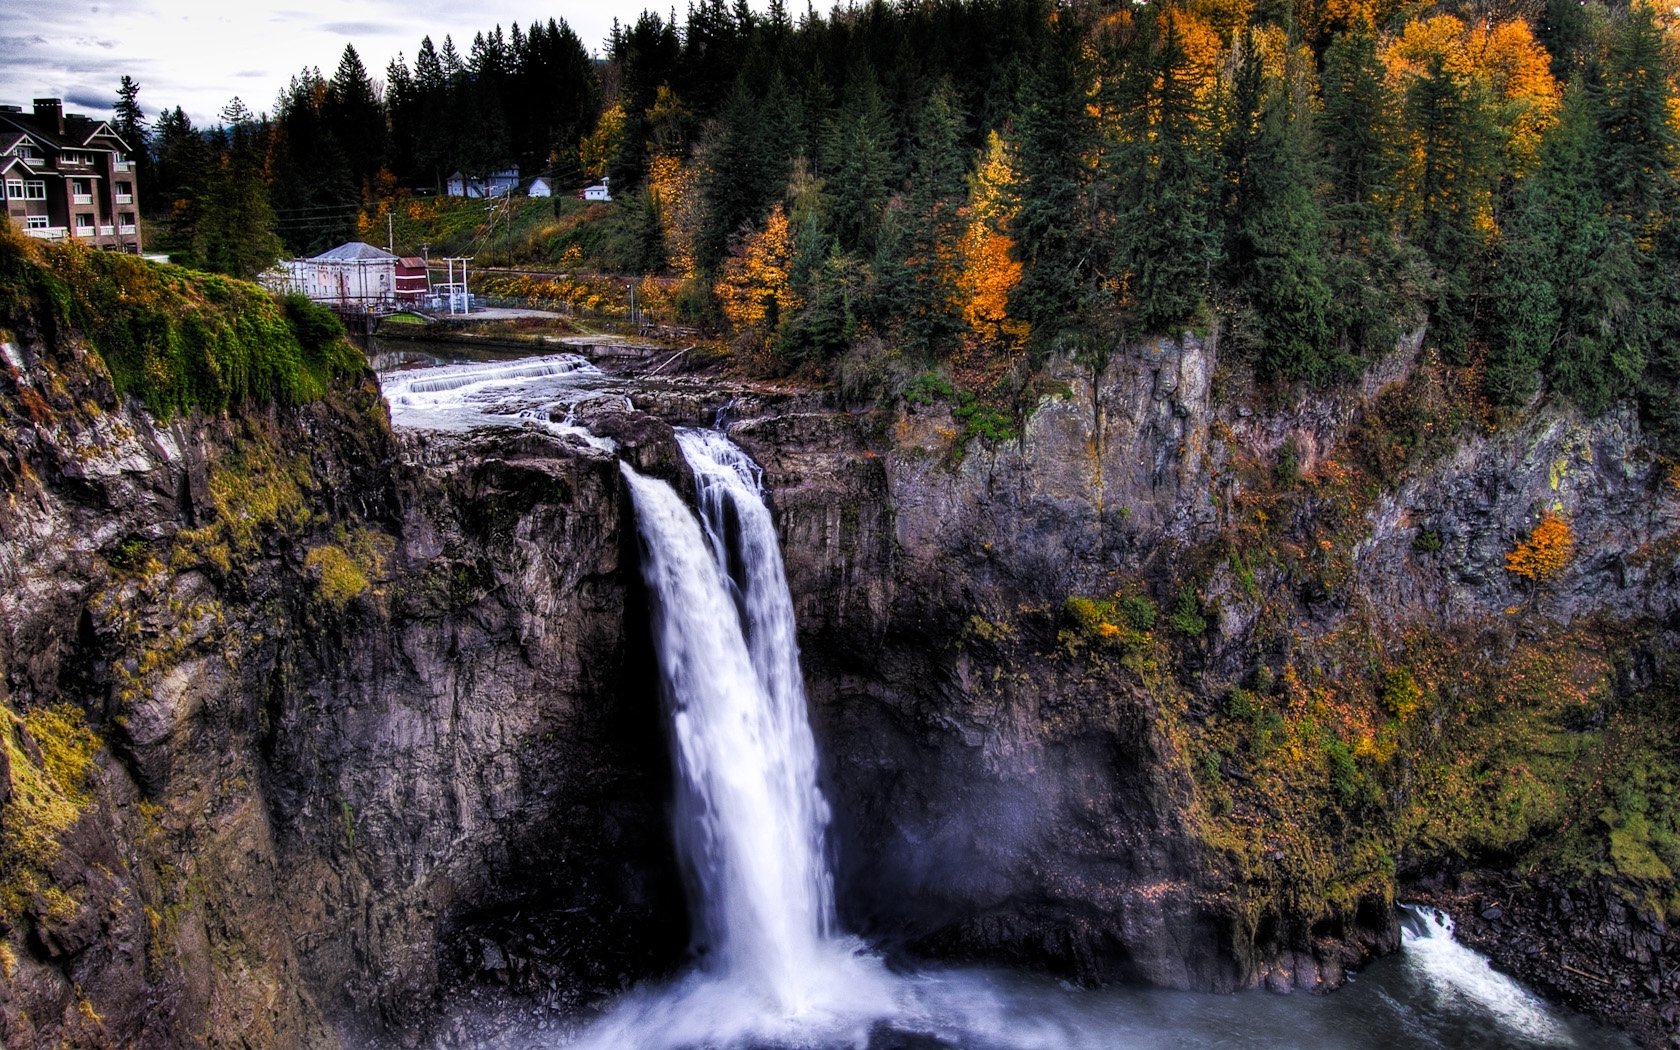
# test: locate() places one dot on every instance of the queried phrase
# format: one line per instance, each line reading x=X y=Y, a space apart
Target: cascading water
x=751 y=820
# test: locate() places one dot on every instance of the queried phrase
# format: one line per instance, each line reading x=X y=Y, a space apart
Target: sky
x=197 y=54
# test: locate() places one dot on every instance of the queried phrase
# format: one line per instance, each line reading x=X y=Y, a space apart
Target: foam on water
x=523 y=393
x=1454 y=972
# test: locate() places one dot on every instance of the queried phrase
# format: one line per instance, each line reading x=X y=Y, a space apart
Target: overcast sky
x=197 y=54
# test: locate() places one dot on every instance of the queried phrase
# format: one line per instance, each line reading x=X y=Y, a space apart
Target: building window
x=35 y=222
x=14 y=189
x=26 y=151
x=35 y=190
x=84 y=222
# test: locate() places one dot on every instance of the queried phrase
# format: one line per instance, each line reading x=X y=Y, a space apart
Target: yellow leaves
x=671 y=184
x=1504 y=60
x=987 y=270
x=602 y=143
x=1202 y=47
x=754 y=290
x=1545 y=552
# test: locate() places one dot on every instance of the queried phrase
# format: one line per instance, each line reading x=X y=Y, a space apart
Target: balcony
x=77 y=163
x=125 y=198
x=81 y=198
x=48 y=233
x=123 y=165
x=107 y=231
x=126 y=229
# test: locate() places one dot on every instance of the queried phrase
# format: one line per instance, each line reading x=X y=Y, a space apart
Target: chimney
x=49 y=113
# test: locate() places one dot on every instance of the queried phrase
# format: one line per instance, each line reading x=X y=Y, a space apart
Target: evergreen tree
x=183 y=167
x=857 y=165
x=1051 y=231
x=744 y=169
x=1358 y=133
x=1454 y=140
x=232 y=227
x=1279 y=242
x=353 y=116
x=131 y=127
x=1639 y=137
x=314 y=192
x=932 y=227
x=1164 y=241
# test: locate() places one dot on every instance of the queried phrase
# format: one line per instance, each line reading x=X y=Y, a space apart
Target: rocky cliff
x=301 y=719
x=1179 y=684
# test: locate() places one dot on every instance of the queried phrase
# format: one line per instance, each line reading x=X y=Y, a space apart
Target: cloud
x=81 y=100
x=360 y=28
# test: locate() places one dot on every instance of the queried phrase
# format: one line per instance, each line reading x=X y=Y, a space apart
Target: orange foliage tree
x=987 y=269
x=1545 y=552
x=671 y=184
x=1503 y=60
x=754 y=291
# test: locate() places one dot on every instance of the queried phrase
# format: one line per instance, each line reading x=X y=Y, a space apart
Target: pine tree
x=354 y=117
x=1280 y=238
x=1359 y=136
x=1454 y=141
x=314 y=192
x=857 y=165
x=131 y=128
x=931 y=217
x=1164 y=239
x=232 y=228
x=1052 y=233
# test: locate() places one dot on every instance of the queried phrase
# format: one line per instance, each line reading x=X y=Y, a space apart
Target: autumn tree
x=988 y=271
x=754 y=291
x=1544 y=552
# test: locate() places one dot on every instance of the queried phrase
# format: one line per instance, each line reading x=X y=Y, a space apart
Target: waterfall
x=751 y=820
x=774 y=969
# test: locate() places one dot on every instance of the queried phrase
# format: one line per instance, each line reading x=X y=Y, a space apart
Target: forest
x=971 y=186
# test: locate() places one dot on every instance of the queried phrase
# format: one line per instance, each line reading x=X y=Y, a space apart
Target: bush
x=315 y=326
x=1187 y=618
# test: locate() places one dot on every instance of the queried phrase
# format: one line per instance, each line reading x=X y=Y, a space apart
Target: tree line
x=976 y=184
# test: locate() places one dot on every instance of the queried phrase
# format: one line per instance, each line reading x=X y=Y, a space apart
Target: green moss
x=49 y=756
x=339 y=577
x=175 y=339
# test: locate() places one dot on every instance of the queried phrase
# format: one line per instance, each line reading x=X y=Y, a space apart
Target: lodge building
x=68 y=177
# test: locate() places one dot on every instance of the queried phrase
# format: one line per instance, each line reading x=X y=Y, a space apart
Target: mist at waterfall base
x=774 y=970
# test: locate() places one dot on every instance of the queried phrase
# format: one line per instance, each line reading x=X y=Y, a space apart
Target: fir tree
x=1051 y=234
x=1164 y=242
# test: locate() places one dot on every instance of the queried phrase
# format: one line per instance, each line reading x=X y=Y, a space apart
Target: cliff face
x=307 y=721
x=298 y=714
x=1218 y=791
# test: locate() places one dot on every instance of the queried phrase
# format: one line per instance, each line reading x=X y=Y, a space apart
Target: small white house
x=540 y=188
x=597 y=192
x=353 y=273
x=500 y=183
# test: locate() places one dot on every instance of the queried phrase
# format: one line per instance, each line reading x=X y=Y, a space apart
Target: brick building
x=68 y=176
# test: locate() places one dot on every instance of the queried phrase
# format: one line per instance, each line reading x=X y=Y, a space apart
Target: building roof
x=355 y=251
x=412 y=260
x=79 y=131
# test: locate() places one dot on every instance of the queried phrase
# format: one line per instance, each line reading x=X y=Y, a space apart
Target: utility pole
x=458 y=294
x=390 y=238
